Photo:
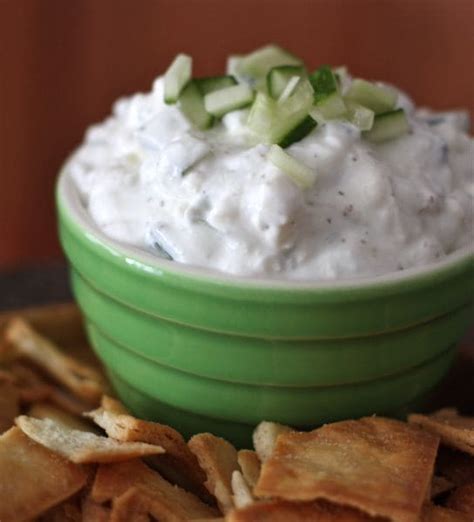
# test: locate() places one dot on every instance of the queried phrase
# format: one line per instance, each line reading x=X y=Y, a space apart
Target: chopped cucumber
x=324 y=83
x=378 y=99
x=257 y=64
x=278 y=78
x=214 y=83
x=177 y=76
x=360 y=116
x=288 y=90
x=271 y=121
x=387 y=126
x=228 y=99
x=191 y=103
x=302 y=175
x=328 y=108
x=300 y=131
x=342 y=76
x=233 y=62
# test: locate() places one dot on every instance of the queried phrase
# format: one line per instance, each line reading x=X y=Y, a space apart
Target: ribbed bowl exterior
x=206 y=353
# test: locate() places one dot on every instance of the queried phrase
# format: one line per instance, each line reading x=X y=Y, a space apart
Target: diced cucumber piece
x=300 y=131
x=228 y=99
x=360 y=116
x=214 y=83
x=328 y=108
x=258 y=63
x=342 y=76
x=302 y=175
x=387 y=126
x=288 y=90
x=233 y=62
x=177 y=76
x=278 y=78
x=378 y=99
x=271 y=121
x=191 y=104
x=324 y=83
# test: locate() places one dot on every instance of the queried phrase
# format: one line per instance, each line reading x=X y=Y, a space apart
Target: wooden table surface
x=45 y=285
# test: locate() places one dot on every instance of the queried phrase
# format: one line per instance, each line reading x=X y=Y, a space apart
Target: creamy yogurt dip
x=212 y=198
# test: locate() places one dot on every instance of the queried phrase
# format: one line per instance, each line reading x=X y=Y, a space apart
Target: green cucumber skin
x=215 y=83
x=191 y=103
x=387 y=126
x=300 y=131
x=375 y=97
x=324 y=83
x=283 y=73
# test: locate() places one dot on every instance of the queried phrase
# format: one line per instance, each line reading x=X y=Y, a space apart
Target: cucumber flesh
x=258 y=63
x=299 y=173
x=375 y=97
x=387 y=126
x=360 y=116
x=228 y=99
x=300 y=131
x=191 y=104
x=278 y=78
x=176 y=77
x=331 y=107
x=288 y=90
x=271 y=121
x=214 y=83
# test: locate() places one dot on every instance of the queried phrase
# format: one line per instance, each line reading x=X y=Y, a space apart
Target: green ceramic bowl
x=204 y=351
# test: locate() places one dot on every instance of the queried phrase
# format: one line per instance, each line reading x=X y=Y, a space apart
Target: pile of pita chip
x=71 y=452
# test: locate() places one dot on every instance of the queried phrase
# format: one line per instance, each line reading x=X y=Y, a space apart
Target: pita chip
x=83 y=381
x=178 y=464
x=163 y=500
x=250 y=465
x=37 y=478
x=79 y=446
x=454 y=429
x=218 y=459
x=265 y=436
x=380 y=466
x=284 y=511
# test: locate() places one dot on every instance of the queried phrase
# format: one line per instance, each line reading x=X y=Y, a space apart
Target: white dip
x=373 y=209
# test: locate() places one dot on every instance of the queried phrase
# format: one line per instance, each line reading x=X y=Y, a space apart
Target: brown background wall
x=63 y=62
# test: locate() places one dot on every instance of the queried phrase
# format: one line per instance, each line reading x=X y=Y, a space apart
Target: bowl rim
x=68 y=199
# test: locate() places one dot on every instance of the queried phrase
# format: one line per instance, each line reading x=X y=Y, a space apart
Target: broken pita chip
x=440 y=485
x=380 y=466
x=432 y=513
x=82 y=380
x=168 y=501
x=454 y=429
x=80 y=446
x=242 y=495
x=46 y=410
x=285 y=511
x=456 y=466
x=131 y=506
x=218 y=459
x=9 y=404
x=94 y=512
x=37 y=478
x=178 y=464
x=265 y=436
x=250 y=465
x=462 y=499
